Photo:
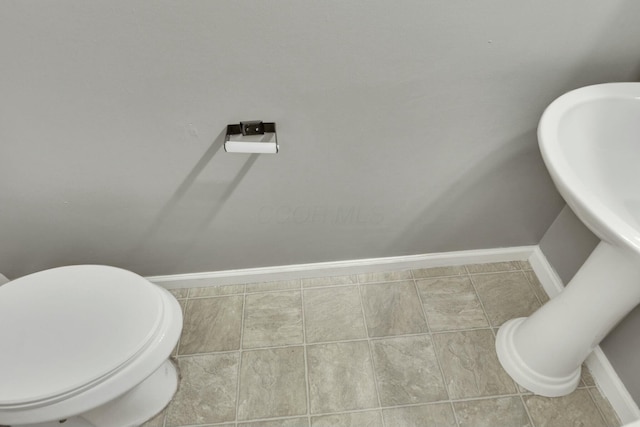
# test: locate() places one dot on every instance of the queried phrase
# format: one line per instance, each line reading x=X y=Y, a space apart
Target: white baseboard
x=603 y=373
x=3 y=279
x=339 y=268
x=547 y=275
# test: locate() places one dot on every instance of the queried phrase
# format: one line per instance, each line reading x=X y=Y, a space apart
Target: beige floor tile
x=407 y=371
x=523 y=390
x=451 y=303
x=183 y=307
x=505 y=296
x=329 y=281
x=496 y=412
x=157 y=421
x=280 y=285
x=536 y=286
x=340 y=377
x=351 y=419
x=211 y=324
x=272 y=319
x=272 y=383
x=191 y=283
x=433 y=415
x=179 y=293
x=493 y=267
x=288 y=422
x=524 y=265
x=424 y=273
x=333 y=314
x=470 y=364
x=213 y=291
x=385 y=276
x=392 y=309
x=207 y=391
x=607 y=411
x=575 y=409
x=586 y=378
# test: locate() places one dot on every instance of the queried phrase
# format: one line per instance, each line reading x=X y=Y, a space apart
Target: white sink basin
x=590 y=142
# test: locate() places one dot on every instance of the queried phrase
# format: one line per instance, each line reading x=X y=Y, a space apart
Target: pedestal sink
x=590 y=143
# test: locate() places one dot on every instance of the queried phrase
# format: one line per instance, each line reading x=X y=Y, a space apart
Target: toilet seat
x=106 y=313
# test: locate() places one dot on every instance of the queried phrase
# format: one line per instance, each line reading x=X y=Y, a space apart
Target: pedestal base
x=525 y=376
x=544 y=352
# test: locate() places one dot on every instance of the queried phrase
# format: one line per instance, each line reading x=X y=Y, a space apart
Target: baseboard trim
x=3 y=279
x=612 y=387
x=547 y=275
x=338 y=268
x=603 y=373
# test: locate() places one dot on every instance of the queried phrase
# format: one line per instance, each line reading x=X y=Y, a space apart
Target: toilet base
x=133 y=408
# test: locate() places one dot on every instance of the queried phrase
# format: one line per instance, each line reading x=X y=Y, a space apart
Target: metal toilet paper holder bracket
x=252 y=129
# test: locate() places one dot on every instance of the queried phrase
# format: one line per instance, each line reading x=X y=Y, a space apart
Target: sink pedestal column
x=544 y=352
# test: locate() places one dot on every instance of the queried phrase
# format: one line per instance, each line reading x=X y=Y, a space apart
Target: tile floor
x=401 y=348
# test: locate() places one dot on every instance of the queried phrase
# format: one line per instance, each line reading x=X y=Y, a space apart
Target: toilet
x=86 y=346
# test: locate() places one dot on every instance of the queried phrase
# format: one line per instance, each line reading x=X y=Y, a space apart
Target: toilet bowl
x=86 y=344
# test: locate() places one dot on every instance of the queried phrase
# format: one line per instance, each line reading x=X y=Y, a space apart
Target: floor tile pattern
x=385 y=349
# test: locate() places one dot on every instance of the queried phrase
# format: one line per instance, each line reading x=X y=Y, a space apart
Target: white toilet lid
x=65 y=328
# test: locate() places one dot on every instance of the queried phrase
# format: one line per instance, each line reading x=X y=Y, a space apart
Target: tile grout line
x=460 y=400
x=534 y=287
x=235 y=294
x=604 y=418
x=519 y=389
x=473 y=283
x=435 y=351
x=517 y=386
x=373 y=369
x=493 y=332
x=508 y=270
x=219 y=286
x=222 y=424
x=338 y=341
x=304 y=349
x=256 y=420
x=258 y=291
x=240 y=353
x=344 y=284
x=186 y=302
x=486 y=273
x=184 y=315
x=526 y=408
x=406 y=405
x=484 y=310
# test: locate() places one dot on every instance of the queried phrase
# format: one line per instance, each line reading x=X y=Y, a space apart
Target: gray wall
x=405 y=127
x=567 y=244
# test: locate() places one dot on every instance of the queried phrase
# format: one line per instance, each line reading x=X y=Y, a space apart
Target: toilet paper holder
x=254 y=136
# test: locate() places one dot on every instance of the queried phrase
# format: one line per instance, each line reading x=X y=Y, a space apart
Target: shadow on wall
x=512 y=173
x=171 y=246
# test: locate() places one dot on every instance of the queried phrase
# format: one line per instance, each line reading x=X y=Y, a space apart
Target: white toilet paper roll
x=263 y=144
